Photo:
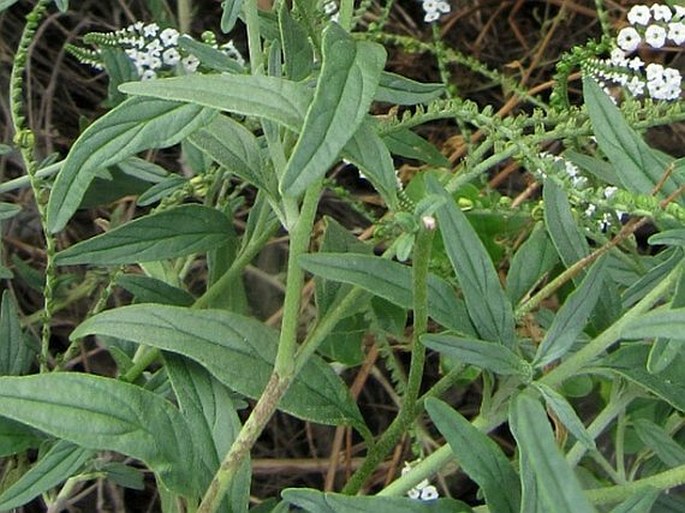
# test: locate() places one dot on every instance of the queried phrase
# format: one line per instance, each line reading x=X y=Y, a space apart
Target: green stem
x=25 y=181
x=185 y=17
x=346 y=11
x=576 y=362
x=25 y=141
x=663 y=481
x=284 y=368
x=254 y=37
x=408 y=409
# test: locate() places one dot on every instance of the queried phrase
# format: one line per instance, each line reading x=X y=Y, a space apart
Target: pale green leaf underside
x=237 y=350
x=135 y=125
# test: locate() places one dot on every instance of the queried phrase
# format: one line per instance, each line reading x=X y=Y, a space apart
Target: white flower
x=679 y=11
x=609 y=191
x=676 y=32
x=169 y=36
x=635 y=63
x=655 y=72
x=429 y=493
x=628 y=39
x=434 y=9
x=618 y=57
x=444 y=7
x=155 y=63
x=590 y=210
x=655 y=36
x=636 y=86
x=414 y=493
x=639 y=15
x=150 y=30
x=661 y=12
x=171 y=57
x=330 y=7
x=230 y=50
x=190 y=63
x=431 y=16
x=148 y=74
x=154 y=48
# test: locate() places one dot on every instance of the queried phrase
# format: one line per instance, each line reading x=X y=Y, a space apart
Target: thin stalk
x=346 y=11
x=284 y=368
x=25 y=181
x=254 y=37
x=662 y=481
x=185 y=15
x=408 y=409
x=576 y=362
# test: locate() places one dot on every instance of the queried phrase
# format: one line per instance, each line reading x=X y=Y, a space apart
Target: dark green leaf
x=391 y=281
x=315 y=501
x=400 y=90
x=668 y=323
x=348 y=80
x=561 y=225
x=135 y=125
x=479 y=456
x=162 y=190
x=566 y=414
x=181 y=231
x=209 y=56
x=674 y=237
x=572 y=316
x=16 y=437
x=238 y=351
x=55 y=466
x=16 y=357
x=229 y=15
x=535 y=258
x=410 y=145
x=631 y=362
x=297 y=49
x=277 y=99
x=487 y=305
x=151 y=290
x=558 y=489
x=660 y=442
x=637 y=165
x=485 y=355
x=641 y=287
x=641 y=502
x=104 y=414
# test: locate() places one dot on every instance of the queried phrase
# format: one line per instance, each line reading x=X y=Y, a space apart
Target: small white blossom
x=590 y=210
x=618 y=57
x=429 y=493
x=171 y=57
x=433 y=9
x=429 y=222
x=154 y=48
x=655 y=36
x=676 y=32
x=155 y=63
x=190 y=63
x=639 y=15
x=150 y=30
x=679 y=11
x=169 y=36
x=148 y=74
x=661 y=12
x=635 y=63
x=609 y=191
x=628 y=39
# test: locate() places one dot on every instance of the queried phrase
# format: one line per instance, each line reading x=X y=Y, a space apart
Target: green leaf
x=641 y=502
x=561 y=225
x=558 y=489
x=210 y=412
x=229 y=14
x=485 y=355
x=135 y=125
x=410 y=145
x=104 y=414
x=277 y=99
x=161 y=190
x=181 y=231
x=535 y=258
x=566 y=414
x=151 y=290
x=239 y=351
x=631 y=361
x=16 y=437
x=487 y=305
x=348 y=80
x=16 y=357
x=368 y=152
x=234 y=147
x=8 y=210
x=668 y=323
x=391 y=281
x=660 y=442
x=297 y=49
x=400 y=90
x=674 y=237
x=55 y=466
x=665 y=350
x=315 y=501
x=209 y=56
x=571 y=318
x=639 y=167
x=5 y=4
x=651 y=279
x=479 y=457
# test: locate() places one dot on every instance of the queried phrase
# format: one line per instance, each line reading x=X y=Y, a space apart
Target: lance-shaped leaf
x=171 y=233
x=408 y=144
x=135 y=125
x=479 y=456
x=391 y=281
x=239 y=351
x=641 y=502
x=277 y=99
x=16 y=437
x=16 y=357
x=400 y=90
x=485 y=355
x=486 y=302
x=229 y=15
x=54 y=467
x=566 y=414
x=561 y=226
x=639 y=167
x=105 y=414
x=571 y=318
x=297 y=48
x=348 y=80
x=558 y=488
x=315 y=501
x=660 y=442
x=657 y=323
x=530 y=263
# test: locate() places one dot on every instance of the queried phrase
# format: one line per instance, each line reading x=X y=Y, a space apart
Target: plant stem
x=184 y=16
x=284 y=368
x=662 y=481
x=577 y=361
x=345 y=11
x=408 y=409
x=254 y=37
x=25 y=141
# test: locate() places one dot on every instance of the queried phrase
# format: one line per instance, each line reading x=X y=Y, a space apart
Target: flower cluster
x=152 y=50
x=423 y=490
x=433 y=9
x=654 y=27
x=569 y=170
x=330 y=8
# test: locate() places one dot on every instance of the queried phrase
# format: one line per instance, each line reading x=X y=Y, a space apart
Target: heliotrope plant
x=570 y=308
